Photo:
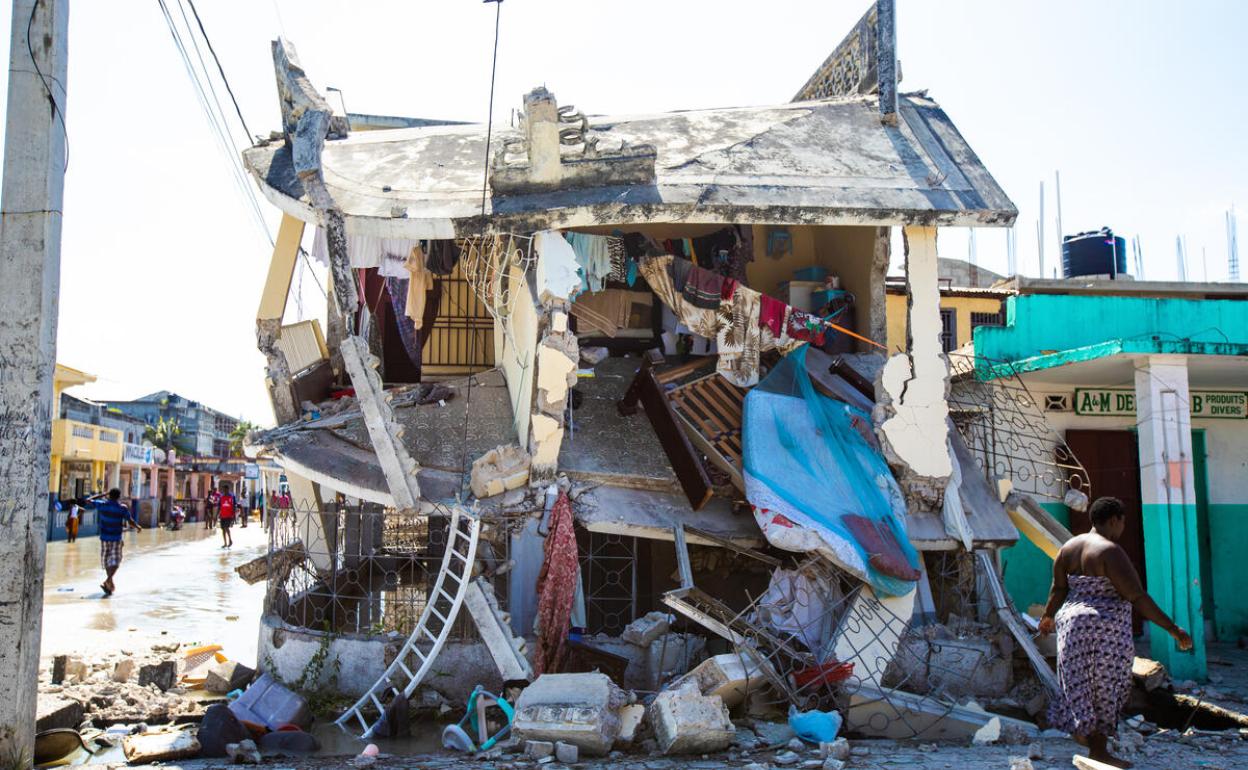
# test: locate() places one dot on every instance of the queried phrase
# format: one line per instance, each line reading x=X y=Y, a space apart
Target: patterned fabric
x=738 y=338
x=110 y=553
x=619 y=260
x=556 y=589
x=1094 y=654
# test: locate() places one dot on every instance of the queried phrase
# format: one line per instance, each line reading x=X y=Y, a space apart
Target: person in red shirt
x=226 y=508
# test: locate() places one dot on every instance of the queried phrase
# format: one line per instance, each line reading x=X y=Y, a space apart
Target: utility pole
x=1040 y=231
x=30 y=273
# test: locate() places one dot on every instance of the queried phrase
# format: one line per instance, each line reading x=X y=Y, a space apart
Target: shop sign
x=136 y=454
x=251 y=471
x=1206 y=404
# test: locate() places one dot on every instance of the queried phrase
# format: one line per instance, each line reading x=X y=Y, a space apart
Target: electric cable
x=220 y=69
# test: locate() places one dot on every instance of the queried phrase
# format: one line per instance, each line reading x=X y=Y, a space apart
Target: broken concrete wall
x=912 y=411
x=557 y=357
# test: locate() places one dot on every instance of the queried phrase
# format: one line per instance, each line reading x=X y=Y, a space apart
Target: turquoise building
x=1147 y=384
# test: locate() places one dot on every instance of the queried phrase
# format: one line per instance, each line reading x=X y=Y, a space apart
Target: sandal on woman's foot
x=107 y=591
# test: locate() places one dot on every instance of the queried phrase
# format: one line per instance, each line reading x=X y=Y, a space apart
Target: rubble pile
x=118 y=688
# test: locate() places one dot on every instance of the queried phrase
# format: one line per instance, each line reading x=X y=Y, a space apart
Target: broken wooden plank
x=1036 y=524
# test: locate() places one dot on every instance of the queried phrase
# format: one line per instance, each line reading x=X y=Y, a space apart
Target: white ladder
x=411 y=665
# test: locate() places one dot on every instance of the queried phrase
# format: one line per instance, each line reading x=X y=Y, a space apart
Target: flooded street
x=171 y=587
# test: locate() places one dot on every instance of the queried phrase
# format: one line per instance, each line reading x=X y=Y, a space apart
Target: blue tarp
x=818 y=482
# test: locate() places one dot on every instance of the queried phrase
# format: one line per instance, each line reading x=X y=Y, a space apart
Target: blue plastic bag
x=815 y=726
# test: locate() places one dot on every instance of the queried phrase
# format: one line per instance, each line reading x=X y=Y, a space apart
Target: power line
x=216 y=118
x=220 y=69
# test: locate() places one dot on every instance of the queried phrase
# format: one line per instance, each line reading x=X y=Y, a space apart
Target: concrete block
x=956 y=667
x=56 y=711
x=988 y=734
x=538 y=749
x=123 y=670
x=687 y=722
x=673 y=654
x=645 y=629
x=499 y=470
x=630 y=719
x=163 y=674
x=566 y=753
x=1149 y=674
x=68 y=668
x=729 y=676
x=160 y=747
x=580 y=709
x=228 y=676
x=837 y=749
x=243 y=753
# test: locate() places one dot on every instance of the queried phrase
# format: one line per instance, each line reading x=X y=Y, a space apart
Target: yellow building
x=961 y=310
x=83 y=455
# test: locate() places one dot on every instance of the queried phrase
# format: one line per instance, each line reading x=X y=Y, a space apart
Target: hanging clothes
x=804 y=327
x=442 y=256
x=619 y=260
x=363 y=251
x=556 y=588
x=593 y=254
x=738 y=338
x=703 y=288
x=420 y=281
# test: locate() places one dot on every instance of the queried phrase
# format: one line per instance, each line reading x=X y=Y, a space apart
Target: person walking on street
x=1094 y=588
x=226 y=510
x=210 y=508
x=113 y=519
x=72 y=519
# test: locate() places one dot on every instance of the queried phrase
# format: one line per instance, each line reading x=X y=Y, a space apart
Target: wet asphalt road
x=172 y=586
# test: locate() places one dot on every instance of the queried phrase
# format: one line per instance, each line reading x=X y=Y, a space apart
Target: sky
x=1137 y=103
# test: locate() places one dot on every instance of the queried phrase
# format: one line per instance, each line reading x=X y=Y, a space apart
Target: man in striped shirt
x=113 y=519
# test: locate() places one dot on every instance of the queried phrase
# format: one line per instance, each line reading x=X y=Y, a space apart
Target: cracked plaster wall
x=913 y=411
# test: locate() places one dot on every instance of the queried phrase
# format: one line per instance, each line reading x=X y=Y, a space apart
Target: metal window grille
x=609 y=577
x=948 y=330
x=362 y=569
x=987 y=319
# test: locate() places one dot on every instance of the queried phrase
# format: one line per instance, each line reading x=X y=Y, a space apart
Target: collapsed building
x=614 y=386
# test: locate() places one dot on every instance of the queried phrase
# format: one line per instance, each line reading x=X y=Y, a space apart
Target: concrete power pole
x=30 y=273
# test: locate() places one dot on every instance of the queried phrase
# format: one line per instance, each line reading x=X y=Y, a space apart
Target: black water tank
x=1094 y=253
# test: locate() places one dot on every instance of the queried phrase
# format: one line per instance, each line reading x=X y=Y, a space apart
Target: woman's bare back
x=1089 y=554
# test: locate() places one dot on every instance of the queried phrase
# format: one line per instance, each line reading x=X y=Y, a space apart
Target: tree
x=163 y=434
x=238 y=436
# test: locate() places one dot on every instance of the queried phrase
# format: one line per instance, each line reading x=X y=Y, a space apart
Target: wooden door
x=1112 y=461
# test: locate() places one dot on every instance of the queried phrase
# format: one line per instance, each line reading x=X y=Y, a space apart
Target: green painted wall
x=1172 y=560
x=1228 y=532
x=1028 y=571
x=1042 y=323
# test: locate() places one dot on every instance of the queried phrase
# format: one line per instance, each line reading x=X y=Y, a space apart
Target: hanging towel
x=804 y=327
x=703 y=288
x=771 y=315
x=556 y=589
x=420 y=281
x=442 y=256
x=738 y=338
x=680 y=273
x=593 y=254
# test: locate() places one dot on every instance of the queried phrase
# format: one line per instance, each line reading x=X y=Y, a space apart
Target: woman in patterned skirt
x=1094 y=588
